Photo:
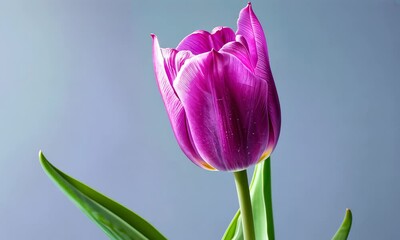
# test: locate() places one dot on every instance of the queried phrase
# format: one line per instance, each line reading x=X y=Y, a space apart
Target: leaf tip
x=349 y=214
x=44 y=162
x=42 y=158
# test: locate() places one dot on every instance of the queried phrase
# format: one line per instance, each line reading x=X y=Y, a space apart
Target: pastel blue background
x=77 y=81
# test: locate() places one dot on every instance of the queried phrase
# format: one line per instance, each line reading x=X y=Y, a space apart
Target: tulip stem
x=242 y=188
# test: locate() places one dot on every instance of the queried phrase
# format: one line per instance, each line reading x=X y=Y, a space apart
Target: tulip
x=220 y=95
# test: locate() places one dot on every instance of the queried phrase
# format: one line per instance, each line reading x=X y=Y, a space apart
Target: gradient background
x=77 y=81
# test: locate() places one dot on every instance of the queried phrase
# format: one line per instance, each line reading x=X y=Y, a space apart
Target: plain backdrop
x=77 y=81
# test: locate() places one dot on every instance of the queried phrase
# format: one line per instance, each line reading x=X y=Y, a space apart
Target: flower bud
x=220 y=95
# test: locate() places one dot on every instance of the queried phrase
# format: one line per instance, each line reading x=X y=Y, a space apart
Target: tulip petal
x=220 y=36
x=174 y=108
x=250 y=28
x=242 y=40
x=226 y=108
x=239 y=51
x=274 y=112
x=173 y=61
x=197 y=42
x=203 y=41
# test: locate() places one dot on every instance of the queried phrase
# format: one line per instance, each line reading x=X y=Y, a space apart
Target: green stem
x=242 y=188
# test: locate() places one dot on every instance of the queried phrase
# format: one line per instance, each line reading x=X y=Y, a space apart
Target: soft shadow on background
x=76 y=80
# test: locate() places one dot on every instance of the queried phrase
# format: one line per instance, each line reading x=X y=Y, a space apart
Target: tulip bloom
x=220 y=95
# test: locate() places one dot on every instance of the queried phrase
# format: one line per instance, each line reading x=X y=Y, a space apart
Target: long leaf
x=260 y=192
x=115 y=220
x=344 y=229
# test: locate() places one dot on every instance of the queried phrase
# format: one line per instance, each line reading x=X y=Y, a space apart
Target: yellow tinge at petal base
x=265 y=155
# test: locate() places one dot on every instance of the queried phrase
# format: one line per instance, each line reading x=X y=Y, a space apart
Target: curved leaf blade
x=233 y=228
x=344 y=229
x=261 y=201
x=117 y=221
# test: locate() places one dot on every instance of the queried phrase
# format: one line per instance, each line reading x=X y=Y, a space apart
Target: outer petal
x=226 y=107
x=174 y=107
x=203 y=41
x=250 y=28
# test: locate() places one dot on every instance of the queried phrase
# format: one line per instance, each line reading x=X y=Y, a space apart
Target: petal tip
x=153 y=36
x=249 y=6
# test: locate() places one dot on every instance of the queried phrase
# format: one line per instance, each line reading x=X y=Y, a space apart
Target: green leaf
x=261 y=201
x=344 y=229
x=115 y=220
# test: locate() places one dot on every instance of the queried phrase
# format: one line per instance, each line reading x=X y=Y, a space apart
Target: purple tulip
x=220 y=95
